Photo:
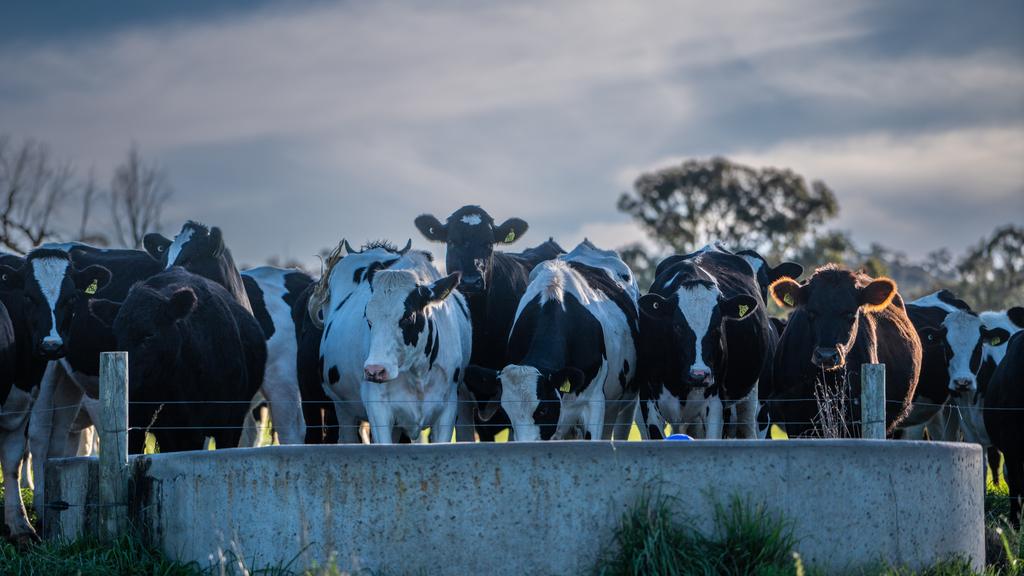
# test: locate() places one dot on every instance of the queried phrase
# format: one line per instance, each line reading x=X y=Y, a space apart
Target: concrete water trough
x=531 y=508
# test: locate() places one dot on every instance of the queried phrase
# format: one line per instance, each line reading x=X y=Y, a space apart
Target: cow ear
x=878 y=294
x=11 y=278
x=738 y=307
x=787 y=269
x=91 y=279
x=786 y=292
x=995 y=336
x=510 y=230
x=1016 y=315
x=568 y=380
x=156 y=244
x=180 y=304
x=441 y=289
x=655 y=306
x=485 y=386
x=216 y=242
x=105 y=311
x=431 y=228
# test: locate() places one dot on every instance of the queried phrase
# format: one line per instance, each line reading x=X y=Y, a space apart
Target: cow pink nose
x=699 y=375
x=375 y=373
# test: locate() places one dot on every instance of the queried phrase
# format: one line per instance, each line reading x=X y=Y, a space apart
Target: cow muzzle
x=962 y=385
x=378 y=373
x=473 y=285
x=51 y=348
x=700 y=378
x=827 y=358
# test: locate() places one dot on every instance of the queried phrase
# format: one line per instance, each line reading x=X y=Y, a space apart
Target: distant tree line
x=40 y=194
x=778 y=213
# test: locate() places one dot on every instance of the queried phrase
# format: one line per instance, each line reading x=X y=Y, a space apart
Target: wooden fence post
x=113 y=487
x=872 y=401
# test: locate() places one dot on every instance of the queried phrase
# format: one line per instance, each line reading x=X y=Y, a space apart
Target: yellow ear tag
x=566 y=387
x=788 y=299
x=995 y=341
x=743 y=310
x=91 y=289
x=510 y=236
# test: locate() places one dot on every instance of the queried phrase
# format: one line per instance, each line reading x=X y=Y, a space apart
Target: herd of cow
x=549 y=344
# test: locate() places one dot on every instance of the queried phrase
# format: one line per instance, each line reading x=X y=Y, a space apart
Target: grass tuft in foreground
x=653 y=539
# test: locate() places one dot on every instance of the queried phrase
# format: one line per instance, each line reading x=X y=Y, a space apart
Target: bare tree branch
x=33 y=187
x=138 y=193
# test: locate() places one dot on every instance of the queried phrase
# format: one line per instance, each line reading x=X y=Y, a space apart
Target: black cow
x=1004 y=419
x=705 y=343
x=841 y=320
x=492 y=281
x=317 y=408
x=189 y=342
x=267 y=292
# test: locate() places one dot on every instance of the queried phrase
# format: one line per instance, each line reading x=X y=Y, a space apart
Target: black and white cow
x=20 y=374
x=572 y=351
x=317 y=407
x=195 y=357
x=1004 y=419
x=951 y=336
x=766 y=273
x=57 y=282
x=493 y=282
x=267 y=292
x=420 y=339
x=706 y=342
x=841 y=320
x=338 y=305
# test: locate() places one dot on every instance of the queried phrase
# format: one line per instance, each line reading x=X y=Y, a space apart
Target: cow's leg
x=593 y=420
x=13 y=447
x=56 y=415
x=464 y=425
x=349 y=423
x=379 y=414
x=652 y=426
x=443 y=426
x=1015 y=482
x=251 y=430
x=286 y=411
x=745 y=416
x=713 y=419
x=26 y=465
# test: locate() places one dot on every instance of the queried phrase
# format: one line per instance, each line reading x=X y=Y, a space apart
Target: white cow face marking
x=699 y=305
x=178 y=245
x=963 y=339
x=49 y=274
x=519 y=400
x=472 y=219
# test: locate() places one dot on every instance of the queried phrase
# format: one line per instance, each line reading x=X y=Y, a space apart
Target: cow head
x=52 y=287
x=200 y=250
x=397 y=314
x=766 y=274
x=344 y=269
x=470 y=236
x=831 y=303
x=531 y=398
x=696 y=314
x=961 y=337
x=1010 y=321
x=146 y=327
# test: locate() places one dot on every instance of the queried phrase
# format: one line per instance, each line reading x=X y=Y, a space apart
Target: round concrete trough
x=538 y=508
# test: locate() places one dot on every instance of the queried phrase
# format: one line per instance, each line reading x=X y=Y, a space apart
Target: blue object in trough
x=679 y=437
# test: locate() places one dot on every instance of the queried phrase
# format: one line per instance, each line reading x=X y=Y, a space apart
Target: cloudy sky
x=292 y=125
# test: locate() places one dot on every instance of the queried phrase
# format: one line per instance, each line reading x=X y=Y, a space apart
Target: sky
x=294 y=125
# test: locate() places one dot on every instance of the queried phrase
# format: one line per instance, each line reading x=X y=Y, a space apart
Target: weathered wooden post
x=113 y=488
x=872 y=401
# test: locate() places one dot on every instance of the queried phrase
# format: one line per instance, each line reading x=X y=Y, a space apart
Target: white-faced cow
x=572 y=351
x=420 y=343
x=266 y=292
x=951 y=336
x=493 y=282
x=1004 y=419
x=706 y=342
x=57 y=282
x=195 y=357
x=841 y=320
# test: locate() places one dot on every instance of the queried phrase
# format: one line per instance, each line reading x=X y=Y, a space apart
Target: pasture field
x=653 y=538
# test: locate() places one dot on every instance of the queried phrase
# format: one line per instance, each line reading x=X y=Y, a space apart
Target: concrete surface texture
x=534 y=508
